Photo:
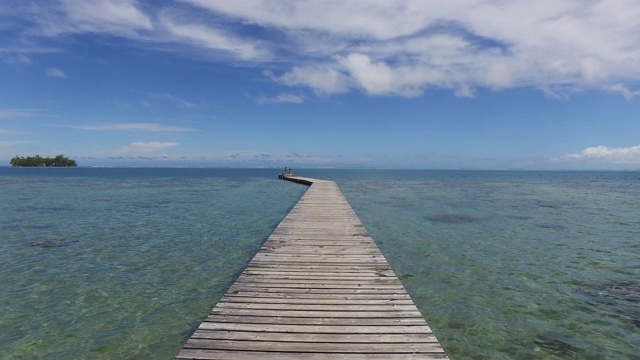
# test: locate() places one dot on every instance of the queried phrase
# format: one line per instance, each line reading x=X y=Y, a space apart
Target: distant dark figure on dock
x=287 y=171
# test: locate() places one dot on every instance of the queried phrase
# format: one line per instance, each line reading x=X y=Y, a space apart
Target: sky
x=487 y=84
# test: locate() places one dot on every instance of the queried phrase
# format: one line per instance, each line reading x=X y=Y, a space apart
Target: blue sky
x=376 y=83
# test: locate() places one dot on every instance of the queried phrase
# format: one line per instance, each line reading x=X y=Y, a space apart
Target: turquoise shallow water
x=125 y=263
x=515 y=266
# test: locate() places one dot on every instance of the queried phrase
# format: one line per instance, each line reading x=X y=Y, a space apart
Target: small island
x=36 y=161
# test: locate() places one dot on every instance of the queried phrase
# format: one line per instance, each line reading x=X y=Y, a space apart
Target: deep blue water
x=126 y=262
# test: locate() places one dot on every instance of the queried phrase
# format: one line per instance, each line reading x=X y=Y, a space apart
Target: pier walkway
x=319 y=288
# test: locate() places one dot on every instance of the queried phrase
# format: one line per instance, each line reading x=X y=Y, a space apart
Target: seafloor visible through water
x=125 y=263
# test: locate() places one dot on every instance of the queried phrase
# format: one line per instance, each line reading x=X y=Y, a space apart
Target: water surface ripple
x=125 y=263
x=533 y=265
x=123 y=267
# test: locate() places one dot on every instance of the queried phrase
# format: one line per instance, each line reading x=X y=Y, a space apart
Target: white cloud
x=21 y=53
x=322 y=79
x=274 y=158
x=120 y=17
x=211 y=38
x=464 y=91
x=22 y=113
x=378 y=78
x=379 y=19
x=7 y=145
x=622 y=155
x=12 y=132
x=19 y=59
x=558 y=46
x=281 y=98
x=56 y=73
x=628 y=94
x=147 y=147
x=382 y=47
x=150 y=127
x=173 y=99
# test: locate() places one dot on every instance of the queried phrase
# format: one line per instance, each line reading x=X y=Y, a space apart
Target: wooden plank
x=318 y=287
x=393 y=296
x=316 y=290
x=346 y=274
x=316 y=307
x=283 y=320
x=329 y=328
x=316 y=313
x=316 y=329
x=305 y=347
x=312 y=301
x=318 y=267
x=321 y=281
x=313 y=337
x=275 y=355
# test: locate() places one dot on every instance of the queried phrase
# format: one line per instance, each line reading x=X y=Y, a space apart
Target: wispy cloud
x=16 y=58
x=457 y=45
x=628 y=94
x=378 y=78
x=167 y=27
x=292 y=158
x=621 y=155
x=380 y=47
x=281 y=98
x=324 y=80
x=22 y=113
x=56 y=73
x=147 y=147
x=118 y=17
x=20 y=53
x=12 y=132
x=166 y=97
x=150 y=127
x=8 y=144
x=207 y=37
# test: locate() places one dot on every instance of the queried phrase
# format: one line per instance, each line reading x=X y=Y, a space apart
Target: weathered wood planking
x=318 y=288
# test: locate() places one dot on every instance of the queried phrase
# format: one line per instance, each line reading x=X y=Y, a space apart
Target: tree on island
x=35 y=161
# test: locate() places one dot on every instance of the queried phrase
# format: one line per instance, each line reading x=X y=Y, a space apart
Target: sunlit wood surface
x=319 y=288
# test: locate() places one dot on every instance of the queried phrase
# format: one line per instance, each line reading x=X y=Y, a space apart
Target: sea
x=124 y=263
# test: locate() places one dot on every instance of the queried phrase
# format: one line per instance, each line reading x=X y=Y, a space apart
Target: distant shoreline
x=275 y=168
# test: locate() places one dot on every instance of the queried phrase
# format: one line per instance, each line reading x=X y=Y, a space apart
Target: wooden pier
x=319 y=288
